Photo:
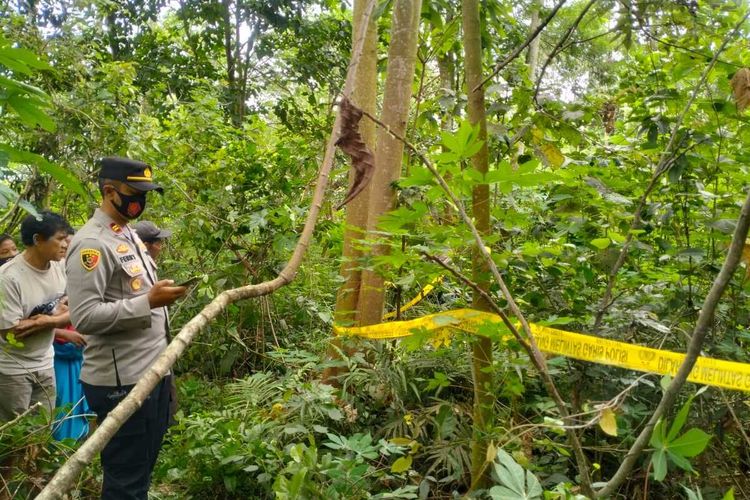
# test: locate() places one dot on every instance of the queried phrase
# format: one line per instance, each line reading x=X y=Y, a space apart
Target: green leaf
x=61 y=175
x=17 y=58
x=659 y=463
x=729 y=495
x=7 y=196
x=510 y=473
x=503 y=493
x=601 y=243
x=690 y=444
x=692 y=495
x=514 y=478
x=680 y=461
x=16 y=87
x=464 y=143
x=402 y=464
x=657 y=437
x=418 y=176
x=31 y=113
x=679 y=420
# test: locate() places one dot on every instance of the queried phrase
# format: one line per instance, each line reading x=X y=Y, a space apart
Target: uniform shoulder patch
x=90 y=258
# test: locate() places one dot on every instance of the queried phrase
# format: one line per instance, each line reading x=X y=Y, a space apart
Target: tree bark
x=481 y=348
x=402 y=55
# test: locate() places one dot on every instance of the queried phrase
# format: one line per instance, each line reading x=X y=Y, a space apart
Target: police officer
x=119 y=304
x=153 y=236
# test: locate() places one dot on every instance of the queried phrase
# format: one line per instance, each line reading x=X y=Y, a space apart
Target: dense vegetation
x=615 y=132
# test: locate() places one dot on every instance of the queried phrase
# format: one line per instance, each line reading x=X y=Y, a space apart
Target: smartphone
x=190 y=281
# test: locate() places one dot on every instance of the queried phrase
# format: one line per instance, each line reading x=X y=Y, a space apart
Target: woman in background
x=8 y=248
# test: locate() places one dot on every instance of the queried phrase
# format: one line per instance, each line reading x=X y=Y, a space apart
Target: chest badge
x=90 y=258
x=136 y=284
x=123 y=248
x=136 y=268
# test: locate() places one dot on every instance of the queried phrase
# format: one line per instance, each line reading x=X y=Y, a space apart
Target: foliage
x=677 y=448
x=515 y=483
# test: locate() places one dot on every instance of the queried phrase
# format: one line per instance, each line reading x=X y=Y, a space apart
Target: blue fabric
x=71 y=420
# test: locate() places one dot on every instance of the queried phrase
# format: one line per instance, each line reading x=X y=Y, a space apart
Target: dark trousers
x=129 y=458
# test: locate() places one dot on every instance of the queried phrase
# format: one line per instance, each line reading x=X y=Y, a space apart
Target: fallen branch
x=67 y=474
x=665 y=162
x=536 y=355
x=517 y=51
x=705 y=319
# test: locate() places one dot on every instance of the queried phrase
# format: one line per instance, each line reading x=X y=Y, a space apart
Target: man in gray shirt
x=31 y=288
x=119 y=304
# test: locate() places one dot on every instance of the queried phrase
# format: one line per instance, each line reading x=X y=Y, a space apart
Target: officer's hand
x=163 y=293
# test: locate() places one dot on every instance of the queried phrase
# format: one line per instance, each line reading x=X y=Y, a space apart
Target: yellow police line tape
x=417 y=299
x=707 y=371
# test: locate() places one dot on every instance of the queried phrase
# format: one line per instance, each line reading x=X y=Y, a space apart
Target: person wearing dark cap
x=152 y=235
x=119 y=304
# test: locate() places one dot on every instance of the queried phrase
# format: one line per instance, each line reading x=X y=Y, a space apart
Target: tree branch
x=67 y=474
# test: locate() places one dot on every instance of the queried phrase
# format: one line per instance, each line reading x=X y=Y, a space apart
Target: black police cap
x=134 y=173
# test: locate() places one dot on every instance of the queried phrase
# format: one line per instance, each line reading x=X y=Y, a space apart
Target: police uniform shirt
x=109 y=276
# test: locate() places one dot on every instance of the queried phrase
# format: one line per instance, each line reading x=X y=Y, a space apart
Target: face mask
x=131 y=206
x=3 y=260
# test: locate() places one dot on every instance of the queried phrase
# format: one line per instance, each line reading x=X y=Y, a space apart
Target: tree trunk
x=482 y=347
x=447 y=75
x=532 y=57
x=364 y=97
x=402 y=55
